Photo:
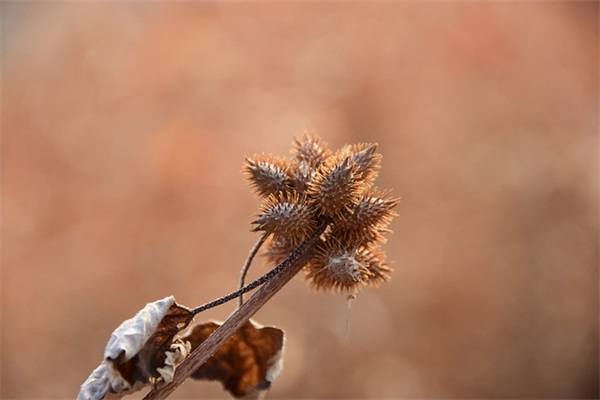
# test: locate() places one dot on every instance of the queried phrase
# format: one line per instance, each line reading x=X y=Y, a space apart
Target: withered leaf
x=141 y=351
x=247 y=363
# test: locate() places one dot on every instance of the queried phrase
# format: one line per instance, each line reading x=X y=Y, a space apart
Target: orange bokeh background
x=125 y=125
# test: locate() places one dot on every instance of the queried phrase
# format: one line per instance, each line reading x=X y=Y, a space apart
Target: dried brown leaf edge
x=145 y=350
x=247 y=363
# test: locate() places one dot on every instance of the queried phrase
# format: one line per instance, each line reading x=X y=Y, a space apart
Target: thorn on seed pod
x=286 y=215
x=336 y=185
x=267 y=174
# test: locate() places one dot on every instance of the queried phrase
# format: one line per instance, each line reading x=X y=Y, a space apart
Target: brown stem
x=239 y=317
x=246 y=266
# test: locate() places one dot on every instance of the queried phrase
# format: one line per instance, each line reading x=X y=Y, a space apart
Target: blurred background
x=124 y=129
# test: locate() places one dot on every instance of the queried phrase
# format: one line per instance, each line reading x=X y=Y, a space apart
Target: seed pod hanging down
x=367 y=220
x=267 y=174
x=373 y=258
x=335 y=186
x=310 y=149
x=337 y=269
x=286 y=215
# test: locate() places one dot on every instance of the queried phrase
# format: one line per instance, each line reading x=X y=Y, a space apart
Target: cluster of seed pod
x=318 y=184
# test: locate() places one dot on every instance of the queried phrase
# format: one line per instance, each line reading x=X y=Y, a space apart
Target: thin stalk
x=251 y=286
x=246 y=266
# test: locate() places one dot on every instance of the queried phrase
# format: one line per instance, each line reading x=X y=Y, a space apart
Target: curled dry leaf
x=141 y=351
x=247 y=363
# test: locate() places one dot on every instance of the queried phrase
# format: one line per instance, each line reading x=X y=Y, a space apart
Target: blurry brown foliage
x=125 y=125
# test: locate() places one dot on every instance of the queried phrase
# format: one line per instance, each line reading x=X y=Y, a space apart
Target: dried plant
x=320 y=213
x=319 y=185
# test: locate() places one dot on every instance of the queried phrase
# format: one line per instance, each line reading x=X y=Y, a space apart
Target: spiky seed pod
x=310 y=149
x=302 y=174
x=338 y=269
x=267 y=174
x=368 y=163
x=317 y=184
x=366 y=220
x=286 y=215
x=344 y=269
x=374 y=260
x=335 y=186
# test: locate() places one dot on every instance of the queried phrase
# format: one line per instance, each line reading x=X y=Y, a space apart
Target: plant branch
x=286 y=271
x=251 y=286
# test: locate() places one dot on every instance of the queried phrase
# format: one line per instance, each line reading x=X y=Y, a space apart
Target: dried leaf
x=141 y=351
x=247 y=363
